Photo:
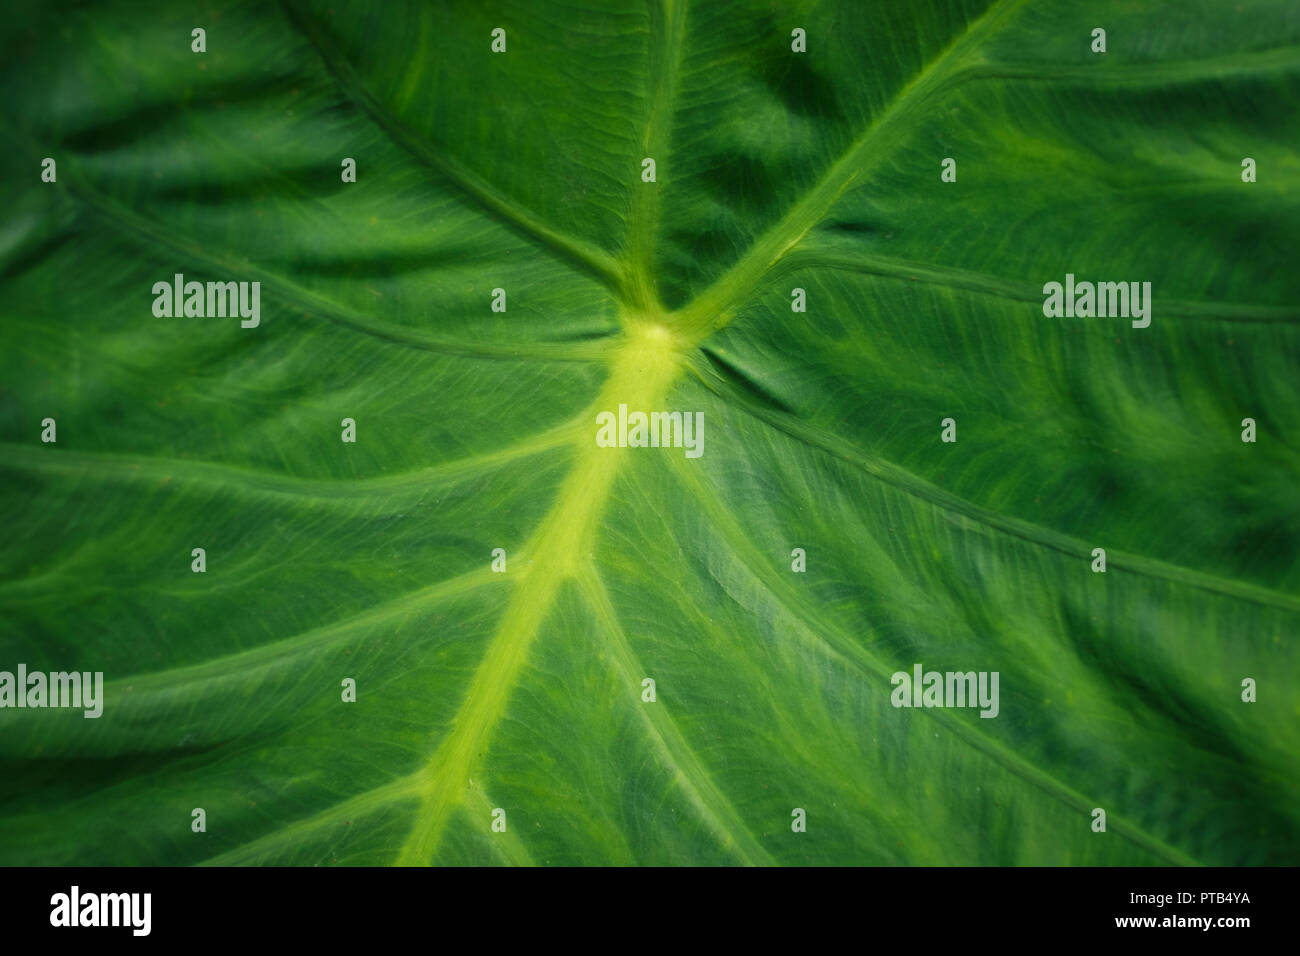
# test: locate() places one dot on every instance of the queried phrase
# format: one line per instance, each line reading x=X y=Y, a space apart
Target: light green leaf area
x=476 y=430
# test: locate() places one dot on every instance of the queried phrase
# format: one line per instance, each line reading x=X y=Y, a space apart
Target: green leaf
x=522 y=690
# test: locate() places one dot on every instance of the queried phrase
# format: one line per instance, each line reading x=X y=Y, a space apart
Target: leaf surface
x=522 y=690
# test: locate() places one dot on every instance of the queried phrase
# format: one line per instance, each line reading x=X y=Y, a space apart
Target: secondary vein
x=712 y=309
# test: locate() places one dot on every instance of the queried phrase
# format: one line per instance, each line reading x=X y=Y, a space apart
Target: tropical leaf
x=476 y=429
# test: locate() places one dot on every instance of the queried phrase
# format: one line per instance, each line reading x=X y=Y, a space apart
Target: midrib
x=642 y=372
